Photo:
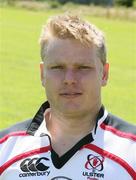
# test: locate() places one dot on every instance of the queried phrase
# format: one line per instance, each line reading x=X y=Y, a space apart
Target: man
x=72 y=136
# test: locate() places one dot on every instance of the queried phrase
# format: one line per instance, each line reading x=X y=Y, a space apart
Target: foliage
x=10 y=2
x=127 y=3
x=55 y=3
x=96 y=2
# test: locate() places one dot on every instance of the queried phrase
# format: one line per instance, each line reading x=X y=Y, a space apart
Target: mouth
x=71 y=94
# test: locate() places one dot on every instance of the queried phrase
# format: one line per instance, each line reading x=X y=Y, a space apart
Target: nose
x=70 y=77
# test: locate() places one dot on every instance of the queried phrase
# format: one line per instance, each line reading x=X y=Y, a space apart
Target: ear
x=105 y=74
x=42 y=73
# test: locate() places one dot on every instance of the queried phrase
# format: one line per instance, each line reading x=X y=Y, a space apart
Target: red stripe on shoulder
x=118 y=132
x=113 y=157
x=22 y=156
x=19 y=133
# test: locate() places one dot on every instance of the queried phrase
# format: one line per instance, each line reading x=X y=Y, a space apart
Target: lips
x=70 y=94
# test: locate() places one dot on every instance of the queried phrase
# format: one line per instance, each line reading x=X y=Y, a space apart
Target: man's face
x=73 y=77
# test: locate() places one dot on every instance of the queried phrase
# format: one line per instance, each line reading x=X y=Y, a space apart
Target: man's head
x=72 y=27
x=74 y=65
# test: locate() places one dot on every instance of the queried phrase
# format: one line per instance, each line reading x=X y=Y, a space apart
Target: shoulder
x=20 y=127
x=119 y=127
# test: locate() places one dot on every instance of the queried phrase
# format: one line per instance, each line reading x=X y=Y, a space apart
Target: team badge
x=94 y=167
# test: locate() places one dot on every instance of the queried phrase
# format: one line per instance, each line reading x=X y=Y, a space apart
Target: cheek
x=92 y=84
x=50 y=88
x=55 y=74
x=53 y=80
x=98 y=77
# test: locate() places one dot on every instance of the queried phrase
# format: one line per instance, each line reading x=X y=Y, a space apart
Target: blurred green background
x=21 y=92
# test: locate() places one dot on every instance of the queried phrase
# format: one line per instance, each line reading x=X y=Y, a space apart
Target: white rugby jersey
x=107 y=153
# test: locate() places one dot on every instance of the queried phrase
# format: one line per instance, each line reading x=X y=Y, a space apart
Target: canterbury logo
x=35 y=164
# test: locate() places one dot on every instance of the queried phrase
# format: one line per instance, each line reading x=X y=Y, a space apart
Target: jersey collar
x=38 y=125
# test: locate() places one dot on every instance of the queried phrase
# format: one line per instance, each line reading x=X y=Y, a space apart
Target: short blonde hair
x=72 y=27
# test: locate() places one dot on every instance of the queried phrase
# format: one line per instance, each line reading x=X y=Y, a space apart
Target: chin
x=72 y=110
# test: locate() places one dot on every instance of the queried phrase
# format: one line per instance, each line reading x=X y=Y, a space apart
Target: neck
x=66 y=131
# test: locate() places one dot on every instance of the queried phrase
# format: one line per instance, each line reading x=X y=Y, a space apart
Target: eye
x=57 y=67
x=84 y=67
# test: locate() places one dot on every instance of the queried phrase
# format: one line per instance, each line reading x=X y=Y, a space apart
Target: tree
x=127 y=3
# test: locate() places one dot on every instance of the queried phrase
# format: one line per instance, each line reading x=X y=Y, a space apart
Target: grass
x=21 y=93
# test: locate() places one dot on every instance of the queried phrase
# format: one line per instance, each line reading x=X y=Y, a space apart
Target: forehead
x=69 y=51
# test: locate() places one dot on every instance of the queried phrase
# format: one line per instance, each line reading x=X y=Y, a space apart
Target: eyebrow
x=59 y=61
x=74 y=64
